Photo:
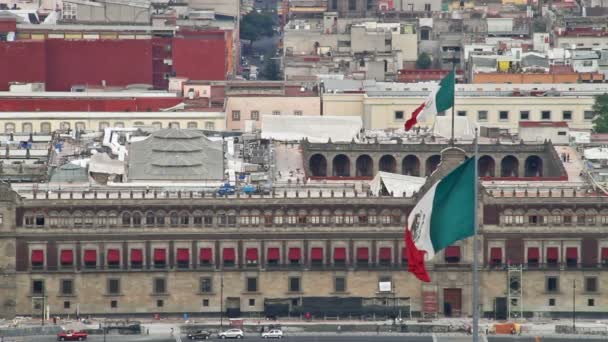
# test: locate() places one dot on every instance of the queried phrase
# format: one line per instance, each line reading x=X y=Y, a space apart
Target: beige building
x=47 y=122
x=244 y=112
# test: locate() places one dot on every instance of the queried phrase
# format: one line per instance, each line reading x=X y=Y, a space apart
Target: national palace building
x=312 y=245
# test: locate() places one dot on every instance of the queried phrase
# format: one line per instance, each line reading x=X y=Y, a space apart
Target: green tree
x=255 y=25
x=600 y=107
x=271 y=69
x=423 y=61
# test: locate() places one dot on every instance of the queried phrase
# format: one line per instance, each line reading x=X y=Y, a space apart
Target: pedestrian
x=339 y=329
x=568 y=157
x=377 y=329
x=171 y=331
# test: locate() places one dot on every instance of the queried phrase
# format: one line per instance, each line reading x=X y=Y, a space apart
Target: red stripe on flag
x=415 y=258
x=414 y=119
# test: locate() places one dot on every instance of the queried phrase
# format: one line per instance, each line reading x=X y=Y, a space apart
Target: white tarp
x=396 y=184
x=463 y=127
x=314 y=128
x=102 y=163
x=596 y=153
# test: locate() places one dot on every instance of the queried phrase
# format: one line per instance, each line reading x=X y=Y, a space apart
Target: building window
x=252 y=284
x=45 y=127
x=69 y=11
x=255 y=115
x=251 y=301
x=334 y=4
x=26 y=127
x=462 y=113
x=590 y=302
x=545 y=115
x=113 y=304
x=503 y=115
x=160 y=285
x=591 y=284
x=567 y=115
x=205 y=302
x=294 y=284
x=113 y=286
x=524 y=115
x=427 y=7
x=552 y=284
x=398 y=115
x=38 y=287
x=276 y=112
x=206 y=285
x=482 y=115
x=588 y=115
x=9 y=127
x=66 y=304
x=210 y=126
x=339 y=284
x=174 y=125
x=67 y=287
x=551 y=301
x=160 y=303
x=352 y=5
x=297 y=112
x=192 y=125
x=236 y=115
x=425 y=34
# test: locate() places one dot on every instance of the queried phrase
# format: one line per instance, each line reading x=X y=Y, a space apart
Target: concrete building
x=107 y=11
x=353 y=8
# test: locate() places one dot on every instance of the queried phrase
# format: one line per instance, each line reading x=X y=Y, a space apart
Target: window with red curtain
x=251 y=255
x=66 y=257
x=362 y=254
x=552 y=255
x=385 y=254
x=273 y=255
x=495 y=255
x=113 y=256
x=571 y=256
x=137 y=257
x=294 y=255
x=160 y=256
x=452 y=254
x=604 y=255
x=37 y=258
x=533 y=255
x=205 y=255
x=229 y=256
x=316 y=255
x=339 y=254
x=183 y=257
x=90 y=257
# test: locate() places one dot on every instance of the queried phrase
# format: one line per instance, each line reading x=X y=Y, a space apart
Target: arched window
x=9 y=127
x=149 y=218
x=157 y=125
x=102 y=219
x=45 y=127
x=160 y=218
x=113 y=219
x=137 y=219
x=89 y=217
x=174 y=124
x=103 y=125
x=77 y=218
x=192 y=125
x=126 y=219
x=173 y=219
x=184 y=218
x=26 y=127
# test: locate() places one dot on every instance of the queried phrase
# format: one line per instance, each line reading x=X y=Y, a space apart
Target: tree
x=600 y=108
x=255 y=25
x=271 y=69
x=423 y=61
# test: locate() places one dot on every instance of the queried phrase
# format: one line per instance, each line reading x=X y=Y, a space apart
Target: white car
x=232 y=333
x=274 y=333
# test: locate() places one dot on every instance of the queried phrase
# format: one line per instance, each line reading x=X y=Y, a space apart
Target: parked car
x=71 y=335
x=232 y=333
x=274 y=333
x=226 y=189
x=199 y=335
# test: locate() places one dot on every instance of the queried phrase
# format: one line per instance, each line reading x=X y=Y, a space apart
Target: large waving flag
x=440 y=99
x=444 y=215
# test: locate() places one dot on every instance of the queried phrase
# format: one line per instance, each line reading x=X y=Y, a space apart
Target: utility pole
x=574 y=306
x=222 y=299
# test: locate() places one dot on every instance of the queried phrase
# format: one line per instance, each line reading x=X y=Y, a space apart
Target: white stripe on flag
x=419 y=223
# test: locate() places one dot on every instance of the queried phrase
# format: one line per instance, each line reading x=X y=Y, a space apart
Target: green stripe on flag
x=454 y=206
x=445 y=95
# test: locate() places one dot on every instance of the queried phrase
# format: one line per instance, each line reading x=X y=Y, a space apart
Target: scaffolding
x=515 y=304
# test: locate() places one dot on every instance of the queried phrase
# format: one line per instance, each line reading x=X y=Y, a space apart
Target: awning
x=160 y=255
x=316 y=254
x=37 y=257
x=90 y=256
x=228 y=254
x=452 y=252
x=66 y=257
x=205 y=254
x=495 y=254
x=552 y=254
x=533 y=254
x=404 y=253
x=295 y=254
x=604 y=253
x=273 y=254
x=137 y=256
x=183 y=255
x=363 y=253
x=251 y=254
x=385 y=254
x=572 y=253
x=339 y=253
x=113 y=256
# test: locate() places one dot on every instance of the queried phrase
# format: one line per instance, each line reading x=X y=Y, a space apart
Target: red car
x=71 y=335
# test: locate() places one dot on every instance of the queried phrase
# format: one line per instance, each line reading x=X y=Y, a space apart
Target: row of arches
x=411 y=165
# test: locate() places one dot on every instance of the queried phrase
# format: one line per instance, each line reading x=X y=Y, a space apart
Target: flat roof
x=87 y=94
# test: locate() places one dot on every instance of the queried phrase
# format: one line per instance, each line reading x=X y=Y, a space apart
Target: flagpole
x=454 y=99
x=475 y=251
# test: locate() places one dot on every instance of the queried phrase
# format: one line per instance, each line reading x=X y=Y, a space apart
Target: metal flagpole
x=454 y=98
x=475 y=251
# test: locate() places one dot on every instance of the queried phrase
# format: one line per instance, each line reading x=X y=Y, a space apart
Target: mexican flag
x=441 y=98
x=441 y=217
